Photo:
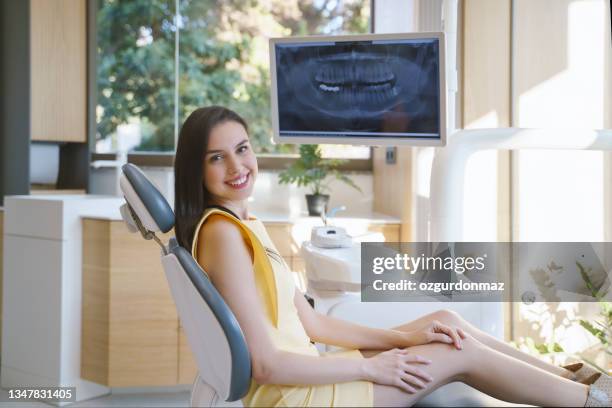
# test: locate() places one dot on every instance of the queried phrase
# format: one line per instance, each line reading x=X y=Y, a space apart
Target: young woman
x=215 y=172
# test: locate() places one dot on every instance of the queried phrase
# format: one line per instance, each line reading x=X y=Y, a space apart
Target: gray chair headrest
x=145 y=200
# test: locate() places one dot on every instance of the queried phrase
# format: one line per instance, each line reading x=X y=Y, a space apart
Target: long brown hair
x=190 y=195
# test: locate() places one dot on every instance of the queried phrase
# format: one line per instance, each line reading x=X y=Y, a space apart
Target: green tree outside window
x=223 y=60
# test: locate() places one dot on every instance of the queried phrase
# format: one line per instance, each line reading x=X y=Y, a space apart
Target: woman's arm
x=330 y=330
x=393 y=367
x=225 y=256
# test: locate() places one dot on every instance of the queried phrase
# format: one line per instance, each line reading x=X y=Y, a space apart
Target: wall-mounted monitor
x=375 y=89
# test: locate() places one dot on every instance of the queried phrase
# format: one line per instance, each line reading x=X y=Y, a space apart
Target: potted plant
x=313 y=171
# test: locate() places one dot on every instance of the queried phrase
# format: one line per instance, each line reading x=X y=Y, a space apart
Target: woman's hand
x=397 y=367
x=437 y=332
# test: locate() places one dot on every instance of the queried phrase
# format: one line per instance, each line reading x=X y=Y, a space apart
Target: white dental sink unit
x=332 y=269
x=334 y=282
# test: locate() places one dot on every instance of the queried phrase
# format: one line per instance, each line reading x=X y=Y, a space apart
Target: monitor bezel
x=368 y=141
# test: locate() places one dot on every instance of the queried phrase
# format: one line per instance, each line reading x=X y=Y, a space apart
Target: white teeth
x=238 y=182
x=329 y=88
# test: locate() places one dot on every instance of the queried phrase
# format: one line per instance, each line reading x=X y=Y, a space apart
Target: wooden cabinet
x=130 y=332
x=58 y=60
x=131 y=335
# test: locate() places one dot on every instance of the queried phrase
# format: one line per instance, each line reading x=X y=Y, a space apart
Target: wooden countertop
x=276 y=218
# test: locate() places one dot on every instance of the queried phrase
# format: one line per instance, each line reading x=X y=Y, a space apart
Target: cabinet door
x=58 y=55
x=130 y=324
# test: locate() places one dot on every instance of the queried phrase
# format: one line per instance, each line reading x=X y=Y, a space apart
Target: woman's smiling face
x=230 y=166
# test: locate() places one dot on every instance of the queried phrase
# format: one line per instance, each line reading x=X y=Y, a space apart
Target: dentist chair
x=213 y=333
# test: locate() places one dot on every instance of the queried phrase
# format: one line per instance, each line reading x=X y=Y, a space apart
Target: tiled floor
x=123 y=398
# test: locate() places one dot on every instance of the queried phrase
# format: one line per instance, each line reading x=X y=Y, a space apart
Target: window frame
x=266 y=161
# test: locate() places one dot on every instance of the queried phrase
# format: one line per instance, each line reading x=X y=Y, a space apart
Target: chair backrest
x=213 y=333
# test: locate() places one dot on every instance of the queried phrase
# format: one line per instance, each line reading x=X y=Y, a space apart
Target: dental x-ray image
x=363 y=88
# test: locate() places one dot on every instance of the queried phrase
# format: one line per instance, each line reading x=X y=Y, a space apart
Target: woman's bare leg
x=489 y=371
x=453 y=319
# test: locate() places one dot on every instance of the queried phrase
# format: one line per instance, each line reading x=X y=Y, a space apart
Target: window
x=147 y=85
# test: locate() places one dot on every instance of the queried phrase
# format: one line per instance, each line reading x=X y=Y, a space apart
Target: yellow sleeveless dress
x=276 y=289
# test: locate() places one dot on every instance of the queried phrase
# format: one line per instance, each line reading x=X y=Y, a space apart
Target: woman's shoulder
x=216 y=231
x=216 y=218
x=220 y=239
x=219 y=227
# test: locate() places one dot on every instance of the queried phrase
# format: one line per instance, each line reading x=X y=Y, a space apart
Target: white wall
x=560 y=195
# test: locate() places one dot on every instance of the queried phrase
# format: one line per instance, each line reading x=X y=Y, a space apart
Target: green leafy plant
x=540 y=348
x=313 y=171
x=600 y=328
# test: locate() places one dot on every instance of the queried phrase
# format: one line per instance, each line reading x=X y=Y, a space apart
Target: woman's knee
x=457 y=365
x=449 y=317
x=465 y=360
x=474 y=351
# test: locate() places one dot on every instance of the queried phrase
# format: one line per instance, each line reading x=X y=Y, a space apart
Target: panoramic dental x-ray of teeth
x=359 y=87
